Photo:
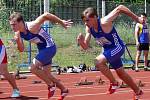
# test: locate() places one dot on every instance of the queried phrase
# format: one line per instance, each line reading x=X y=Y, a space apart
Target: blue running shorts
x=45 y=55
x=114 y=56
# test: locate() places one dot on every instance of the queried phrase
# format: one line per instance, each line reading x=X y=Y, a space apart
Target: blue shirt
x=143 y=34
x=107 y=40
x=42 y=39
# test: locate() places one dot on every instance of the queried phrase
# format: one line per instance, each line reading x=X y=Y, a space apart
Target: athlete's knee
x=138 y=55
x=5 y=73
x=33 y=68
x=3 y=69
x=97 y=62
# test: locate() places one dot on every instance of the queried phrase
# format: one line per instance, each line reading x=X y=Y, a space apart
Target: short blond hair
x=90 y=12
x=16 y=16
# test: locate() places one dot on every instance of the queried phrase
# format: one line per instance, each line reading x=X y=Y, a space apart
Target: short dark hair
x=16 y=16
x=90 y=12
x=144 y=14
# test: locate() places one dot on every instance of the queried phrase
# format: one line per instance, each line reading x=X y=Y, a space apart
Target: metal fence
x=71 y=10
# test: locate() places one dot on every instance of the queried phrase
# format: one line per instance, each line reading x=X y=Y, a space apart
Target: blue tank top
x=143 y=34
x=107 y=40
x=42 y=39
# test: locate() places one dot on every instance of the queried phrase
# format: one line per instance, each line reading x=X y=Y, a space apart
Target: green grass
x=68 y=53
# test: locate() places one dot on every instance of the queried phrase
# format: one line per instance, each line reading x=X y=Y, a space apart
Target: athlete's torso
x=42 y=39
x=107 y=40
x=143 y=33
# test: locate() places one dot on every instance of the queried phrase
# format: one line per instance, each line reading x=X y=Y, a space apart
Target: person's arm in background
x=137 y=34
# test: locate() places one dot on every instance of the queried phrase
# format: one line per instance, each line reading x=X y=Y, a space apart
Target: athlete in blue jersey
x=33 y=32
x=4 y=71
x=105 y=34
x=142 y=42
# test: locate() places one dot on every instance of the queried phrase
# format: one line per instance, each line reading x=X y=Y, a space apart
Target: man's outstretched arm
x=119 y=10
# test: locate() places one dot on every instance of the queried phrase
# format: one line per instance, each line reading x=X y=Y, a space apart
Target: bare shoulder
x=104 y=21
x=30 y=23
x=138 y=25
x=33 y=26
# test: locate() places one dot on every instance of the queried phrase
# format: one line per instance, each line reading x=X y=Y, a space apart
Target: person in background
x=142 y=42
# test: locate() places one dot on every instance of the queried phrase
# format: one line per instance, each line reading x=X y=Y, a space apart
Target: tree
x=130 y=1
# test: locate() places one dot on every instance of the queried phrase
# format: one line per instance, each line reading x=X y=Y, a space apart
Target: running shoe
x=113 y=87
x=63 y=94
x=51 y=91
x=137 y=96
x=15 y=93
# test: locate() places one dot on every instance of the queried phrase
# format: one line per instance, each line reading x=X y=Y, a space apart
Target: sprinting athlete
x=5 y=73
x=105 y=34
x=142 y=42
x=33 y=32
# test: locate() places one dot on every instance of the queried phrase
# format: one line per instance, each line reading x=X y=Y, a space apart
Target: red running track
x=31 y=91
